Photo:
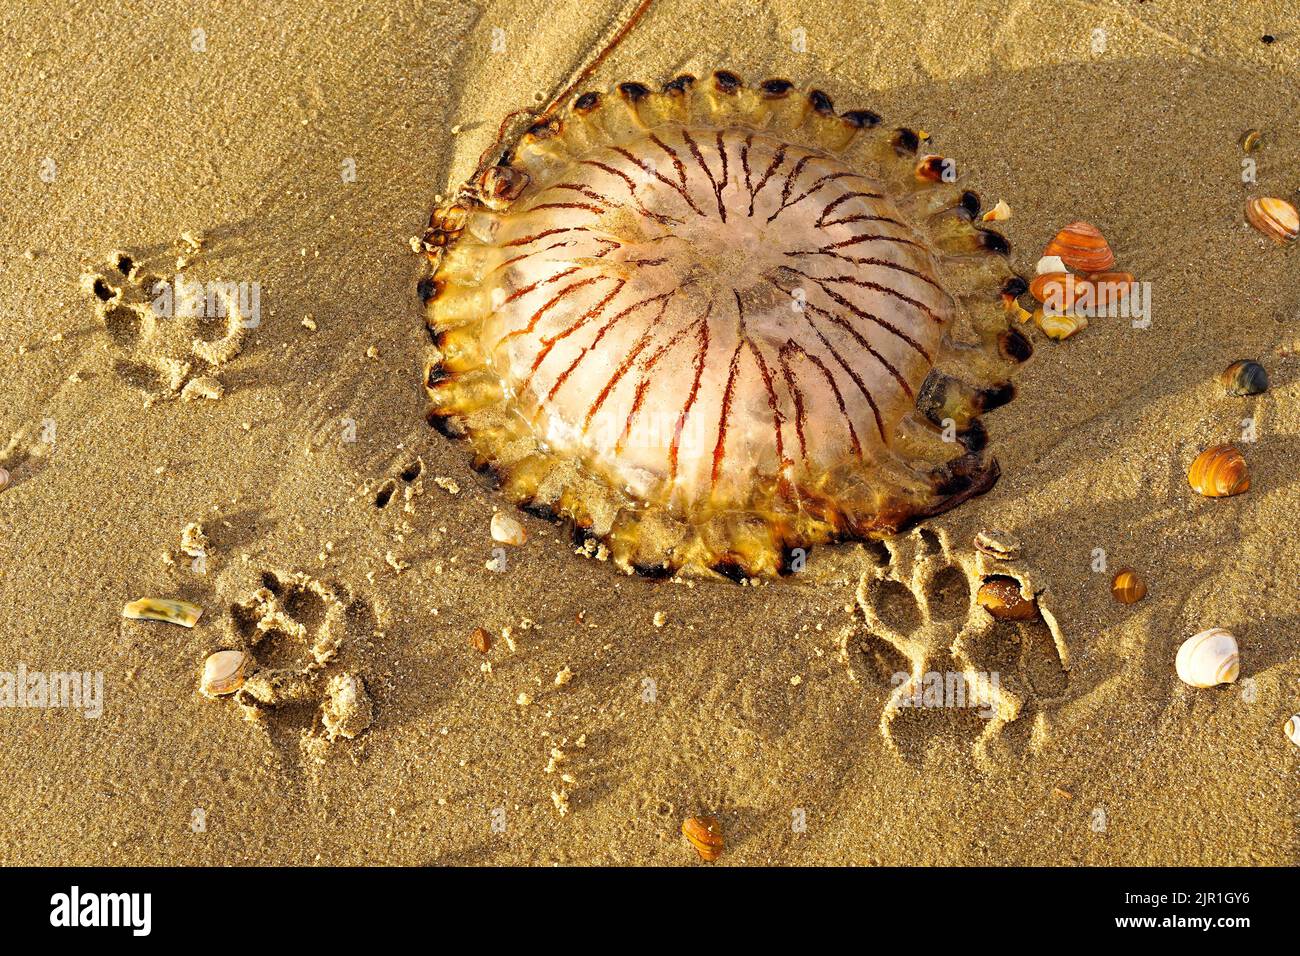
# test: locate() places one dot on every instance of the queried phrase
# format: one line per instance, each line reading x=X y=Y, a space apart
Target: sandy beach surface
x=297 y=148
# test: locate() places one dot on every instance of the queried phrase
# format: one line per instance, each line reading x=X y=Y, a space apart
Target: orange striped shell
x=1219 y=472
x=704 y=323
x=1082 y=246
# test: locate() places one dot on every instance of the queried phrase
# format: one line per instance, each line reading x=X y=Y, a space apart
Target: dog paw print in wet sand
x=171 y=335
x=965 y=642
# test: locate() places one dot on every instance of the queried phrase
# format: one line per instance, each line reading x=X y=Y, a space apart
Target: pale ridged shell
x=1208 y=659
x=1292 y=729
x=1059 y=326
x=4 y=478
x=1275 y=218
x=223 y=673
x=1219 y=472
x=998 y=544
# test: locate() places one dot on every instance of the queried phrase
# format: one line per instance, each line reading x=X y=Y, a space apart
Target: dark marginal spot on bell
x=775 y=88
x=948 y=481
x=385 y=494
x=446 y=425
x=680 y=85
x=726 y=81
x=970 y=203
x=581 y=535
x=862 y=119
x=587 y=102
x=730 y=570
x=436 y=374
x=821 y=103
x=655 y=572
x=975 y=437
x=1268 y=38
x=102 y=290
x=1015 y=346
x=906 y=140
x=930 y=399
x=788 y=557
x=634 y=91
x=539 y=509
x=996 y=396
x=994 y=242
x=125 y=264
x=426 y=288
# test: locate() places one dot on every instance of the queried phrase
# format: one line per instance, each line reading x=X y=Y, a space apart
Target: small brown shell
x=705 y=834
x=1127 y=586
x=1082 y=246
x=1275 y=218
x=1244 y=378
x=480 y=640
x=1219 y=472
x=1000 y=596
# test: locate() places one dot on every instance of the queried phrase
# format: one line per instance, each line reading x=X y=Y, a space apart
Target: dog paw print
x=304 y=637
x=955 y=672
x=170 y=335
x=27 y=452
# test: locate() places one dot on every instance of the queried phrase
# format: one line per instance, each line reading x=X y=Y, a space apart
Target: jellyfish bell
x=717 y=323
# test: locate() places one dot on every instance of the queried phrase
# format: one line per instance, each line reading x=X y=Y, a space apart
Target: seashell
x=997 y=544
x=1104 y=288
x=1244 y=378
x=1292 y=729
x=1275 y=218
x=1082 y=246
x=1049 y=284
x=1050 y=264
x=1127 y=586
x=1219 y=472
x=999 y=213
x=705 y=834
x=507 y=529
x=1000 y=596
x=163 y=609
x=1208 y=659
x=224 y=673
x=480 y=640
x=1250 y=140
x=4 y=478
x=1059 y=326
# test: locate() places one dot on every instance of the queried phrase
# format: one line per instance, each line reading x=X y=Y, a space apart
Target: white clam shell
x=1208 y=659
x=1293 y=730
x=1049 y=264
x=223 y=673
x=507 y=529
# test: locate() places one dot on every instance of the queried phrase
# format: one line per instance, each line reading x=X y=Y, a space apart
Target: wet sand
x=303 y=149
